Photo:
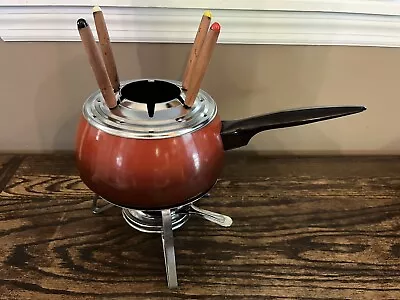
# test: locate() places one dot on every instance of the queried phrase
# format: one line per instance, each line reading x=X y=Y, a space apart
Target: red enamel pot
x=152 y=152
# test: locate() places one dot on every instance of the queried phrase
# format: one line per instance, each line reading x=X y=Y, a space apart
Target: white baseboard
x=294 y=22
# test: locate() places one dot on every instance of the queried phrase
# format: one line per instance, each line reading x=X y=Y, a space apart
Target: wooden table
x=304 y=228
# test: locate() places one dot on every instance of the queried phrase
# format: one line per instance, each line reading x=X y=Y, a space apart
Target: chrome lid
x=150 y=109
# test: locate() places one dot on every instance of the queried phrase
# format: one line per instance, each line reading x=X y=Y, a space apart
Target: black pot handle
x=238 y=133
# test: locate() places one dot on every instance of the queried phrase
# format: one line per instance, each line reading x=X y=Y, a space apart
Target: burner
x=165 y=221
x=151 y=222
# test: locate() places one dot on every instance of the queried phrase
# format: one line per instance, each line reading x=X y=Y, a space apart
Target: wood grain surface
x=303 y=228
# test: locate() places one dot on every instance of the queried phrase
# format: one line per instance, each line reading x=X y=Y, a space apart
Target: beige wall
x=43 y=86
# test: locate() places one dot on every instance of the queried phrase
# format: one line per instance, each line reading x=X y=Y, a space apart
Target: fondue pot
x=156 y=146
x=151 y=152
x=156 y=143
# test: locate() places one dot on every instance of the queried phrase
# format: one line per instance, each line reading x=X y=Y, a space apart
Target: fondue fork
x=195 y=51
x=202 y=62
x=105 y=46
x=96 y=63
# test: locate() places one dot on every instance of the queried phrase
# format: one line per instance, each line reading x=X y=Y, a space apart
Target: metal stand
x=98 y=209
x=168 y=246
x=165 y=221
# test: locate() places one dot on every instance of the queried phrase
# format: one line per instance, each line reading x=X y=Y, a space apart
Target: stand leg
x=168 y=247
x=99 y=209
x=211 y=216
